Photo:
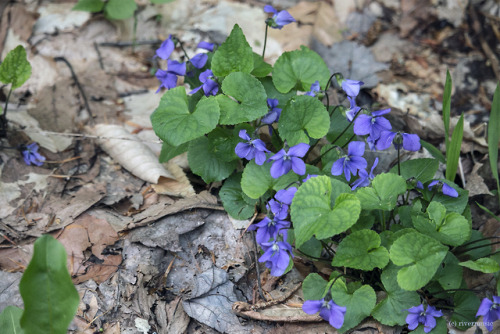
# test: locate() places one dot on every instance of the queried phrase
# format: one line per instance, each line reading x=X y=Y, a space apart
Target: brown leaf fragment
x=94 y=234
x=178 y=186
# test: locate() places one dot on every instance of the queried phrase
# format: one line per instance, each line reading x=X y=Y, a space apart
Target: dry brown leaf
x=475 y=183
x=130 y=153
x=89 y=232
x=178 y=187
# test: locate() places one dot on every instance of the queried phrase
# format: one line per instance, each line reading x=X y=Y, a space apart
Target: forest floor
x=164 y=257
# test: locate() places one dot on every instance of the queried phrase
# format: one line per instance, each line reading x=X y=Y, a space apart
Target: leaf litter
x=147 y=252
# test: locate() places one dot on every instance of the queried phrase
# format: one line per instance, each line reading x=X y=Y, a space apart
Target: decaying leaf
x=130 y=153
x=213 y=296
x=53 y=143
x=178 y=187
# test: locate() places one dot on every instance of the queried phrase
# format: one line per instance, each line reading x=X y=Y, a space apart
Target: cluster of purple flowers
x=489 y=310
x=379 y=136
x=168 y=78
x=272 y=233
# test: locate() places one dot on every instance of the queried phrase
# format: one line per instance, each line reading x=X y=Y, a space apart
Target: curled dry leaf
x=138 y=159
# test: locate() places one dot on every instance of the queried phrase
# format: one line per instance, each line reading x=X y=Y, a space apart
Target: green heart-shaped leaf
x=451 y=229
x=257 y=180
x=449 y=274
x=359 y=303
x=260 y=68
x=302 y=118
x=314 y=287
x=383 y=193
x=244 y=99
x=389 y=310
x=361 y=250
x=173 y=122
x=234 y=55
x=466 y=304
x=204 y=162
x=317 y=211
x=420 y=255
x=119 y=9
x=422 y=170
x=235 y=202
x=299 y=68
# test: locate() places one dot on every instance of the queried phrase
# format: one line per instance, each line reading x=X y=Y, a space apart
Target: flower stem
x=477 y=247
x=326 y=94
x=265 y=41
x=182 y=48
x=3 y=117
x=399 y=161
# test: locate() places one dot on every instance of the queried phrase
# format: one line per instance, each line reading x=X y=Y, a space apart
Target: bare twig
x=250 y=311
x=80 y=88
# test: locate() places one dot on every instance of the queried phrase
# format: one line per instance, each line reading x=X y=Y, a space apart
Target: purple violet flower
x=286 y=195
x=166 y=48
x=209 y=85
x=351 y=87
x=31 y=155
x=206 y=46
x=446 y=189
x=352 y=162
x=253 y=148
x=283 y=199
x=417 y=316
x=274 y=112
x=315 y=88
x=276 y=256
x=490 y=310
x=410 y=142
x=279 y=19
x=199 y=60
x=365 y=178
x=268 y=228
x=168 y=78
x=353 y=109
x=372 y=125
x=329 y=311
x=279 y=210
x=286 y=161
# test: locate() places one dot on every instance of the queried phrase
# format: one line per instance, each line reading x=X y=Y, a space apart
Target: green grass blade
x=453 y=153
x=493 y=133
x=433 y=150
x=446 y=108
x=488 y=211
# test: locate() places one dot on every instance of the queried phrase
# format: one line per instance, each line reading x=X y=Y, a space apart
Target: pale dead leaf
x=178 y=187
x=130 y=153
x=475 y=182
x=59 y=17
x=53 y=143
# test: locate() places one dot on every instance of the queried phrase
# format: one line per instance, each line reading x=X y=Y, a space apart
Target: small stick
x=80 y=88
